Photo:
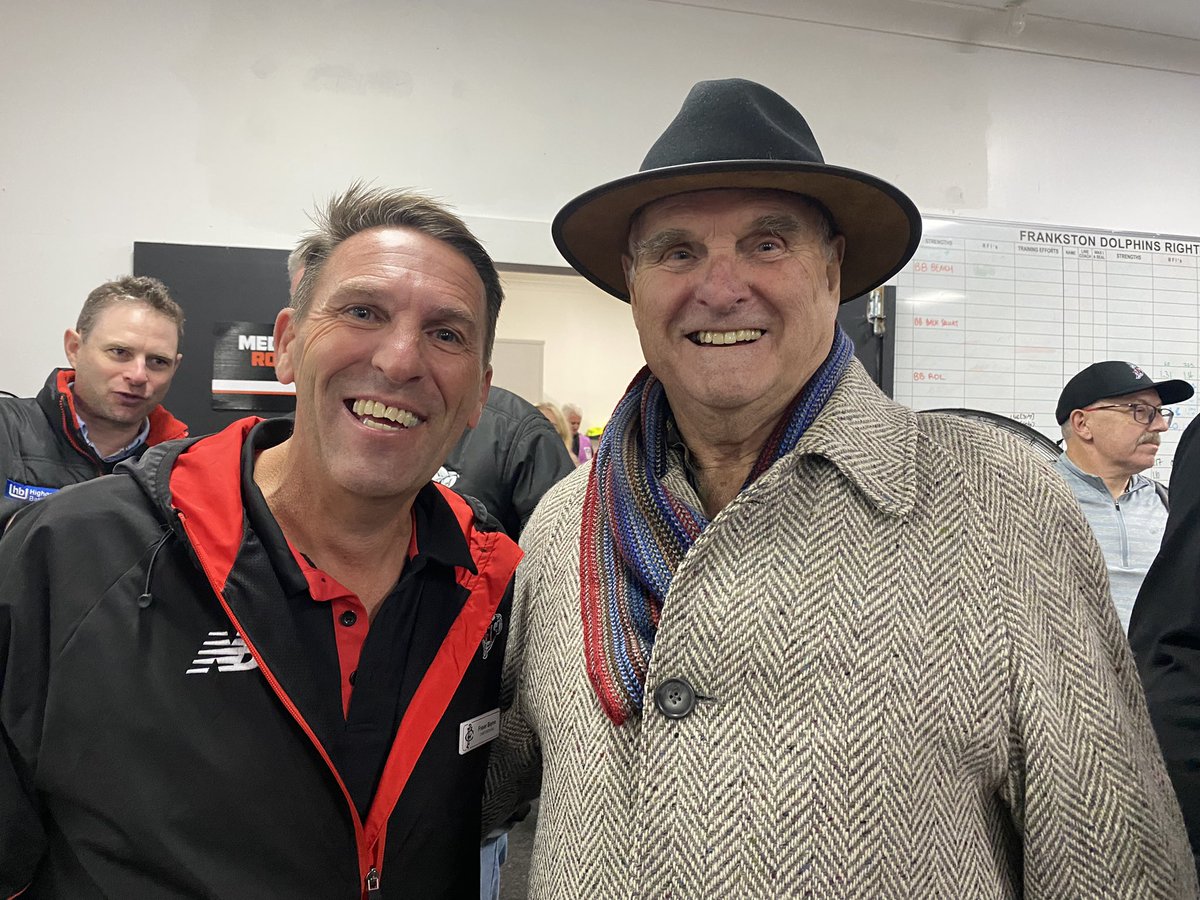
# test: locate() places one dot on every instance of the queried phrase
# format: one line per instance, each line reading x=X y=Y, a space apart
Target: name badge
x=478 y=731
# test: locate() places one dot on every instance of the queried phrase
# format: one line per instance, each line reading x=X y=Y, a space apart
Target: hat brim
x=1174 y=391
x=881 y=225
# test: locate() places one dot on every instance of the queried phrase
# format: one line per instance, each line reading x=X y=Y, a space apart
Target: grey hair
x=569 y=408
x=361 y=208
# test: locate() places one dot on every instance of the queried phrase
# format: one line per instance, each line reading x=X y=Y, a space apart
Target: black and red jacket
x=165 y=733
x=42 y=450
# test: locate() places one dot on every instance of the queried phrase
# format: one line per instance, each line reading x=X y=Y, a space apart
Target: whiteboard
x=999 y=315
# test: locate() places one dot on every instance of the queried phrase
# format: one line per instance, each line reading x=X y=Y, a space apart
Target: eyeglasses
x=1143 y=413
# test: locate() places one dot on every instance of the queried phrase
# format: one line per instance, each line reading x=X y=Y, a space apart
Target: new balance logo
x=223 y=653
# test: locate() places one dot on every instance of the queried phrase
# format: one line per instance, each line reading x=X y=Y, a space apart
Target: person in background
x=1113 y=416
x=580 y=446
x=266 y=662
x=508 y=461
x=555 y=418
x=785 y=637
x=1164 y=633
x=107 y=407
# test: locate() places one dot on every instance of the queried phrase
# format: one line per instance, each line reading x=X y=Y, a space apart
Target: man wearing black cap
x=1112 y=416
x=785 y=637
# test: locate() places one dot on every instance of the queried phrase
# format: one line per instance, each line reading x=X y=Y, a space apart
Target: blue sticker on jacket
x=26 y=493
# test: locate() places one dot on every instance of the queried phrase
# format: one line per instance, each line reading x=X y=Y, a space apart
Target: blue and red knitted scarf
x=635 y=531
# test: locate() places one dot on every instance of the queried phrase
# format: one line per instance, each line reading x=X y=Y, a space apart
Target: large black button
x=348 y=618
x=675 y=698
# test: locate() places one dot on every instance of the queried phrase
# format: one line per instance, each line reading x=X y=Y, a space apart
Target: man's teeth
x=728 y=337
x=376 y=410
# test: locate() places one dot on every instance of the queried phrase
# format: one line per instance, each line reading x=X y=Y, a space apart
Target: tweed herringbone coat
x=913 y=685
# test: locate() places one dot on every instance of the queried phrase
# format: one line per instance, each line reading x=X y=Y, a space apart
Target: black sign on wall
x=244 y=369
x=223 y=290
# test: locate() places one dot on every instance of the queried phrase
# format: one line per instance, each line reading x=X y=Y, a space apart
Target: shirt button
x=348 y=618
x=675 y=698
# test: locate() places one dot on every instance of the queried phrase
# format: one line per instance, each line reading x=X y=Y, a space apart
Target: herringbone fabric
x=913 y=685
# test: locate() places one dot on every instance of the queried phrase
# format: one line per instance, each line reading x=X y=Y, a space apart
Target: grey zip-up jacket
x=1129 y=529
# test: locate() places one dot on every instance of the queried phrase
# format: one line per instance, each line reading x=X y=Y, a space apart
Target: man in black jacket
x=508 y=461
x=265 y=663
x=123 y=352
x=1164 y=633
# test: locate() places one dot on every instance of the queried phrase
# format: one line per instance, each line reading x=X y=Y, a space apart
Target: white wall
x=591 y=350
x=220 y=122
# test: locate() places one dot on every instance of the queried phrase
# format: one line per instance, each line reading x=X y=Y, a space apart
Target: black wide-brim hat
x=737 y=134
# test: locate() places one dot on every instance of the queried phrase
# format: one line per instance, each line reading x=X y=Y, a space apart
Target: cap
x=1114 y=378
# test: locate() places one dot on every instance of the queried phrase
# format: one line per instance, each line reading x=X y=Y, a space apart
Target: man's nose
x=723 y=281
x=398 y=353
x=136 y=372
x=1160 y=423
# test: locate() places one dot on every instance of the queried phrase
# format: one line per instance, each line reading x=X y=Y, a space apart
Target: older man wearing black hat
x=1112 y=417
x=784 y=637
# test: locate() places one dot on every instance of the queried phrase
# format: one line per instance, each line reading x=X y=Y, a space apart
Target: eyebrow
x=453 y=314
x=658 y=243
x=780 y=224
x=354 y=289
x=784 y=225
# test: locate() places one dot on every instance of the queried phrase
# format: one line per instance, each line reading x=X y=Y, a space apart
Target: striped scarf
x=635 y=531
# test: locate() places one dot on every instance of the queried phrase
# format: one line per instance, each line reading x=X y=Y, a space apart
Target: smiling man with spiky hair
x=272 y=664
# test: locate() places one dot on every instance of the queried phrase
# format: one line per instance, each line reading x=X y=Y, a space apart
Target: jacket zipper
x=67 y=418
x=372 y=876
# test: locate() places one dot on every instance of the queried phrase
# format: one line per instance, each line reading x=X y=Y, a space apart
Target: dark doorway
x=872 y=327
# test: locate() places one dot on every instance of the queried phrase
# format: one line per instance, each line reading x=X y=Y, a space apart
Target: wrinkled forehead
x=751 y=203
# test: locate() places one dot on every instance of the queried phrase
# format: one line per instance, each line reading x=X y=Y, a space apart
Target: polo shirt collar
x=1136 y=483
x=436 y=531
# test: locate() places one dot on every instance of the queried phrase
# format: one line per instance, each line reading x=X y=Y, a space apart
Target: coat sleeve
x=1087 y=788
x=1165 y=635
x=24 y=653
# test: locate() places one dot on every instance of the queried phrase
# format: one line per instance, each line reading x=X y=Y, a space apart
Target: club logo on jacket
x=222 y=653
x=493 y=632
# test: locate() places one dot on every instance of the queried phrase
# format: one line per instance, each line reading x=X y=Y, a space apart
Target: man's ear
x=1079 y=424
x=484 y=387
x=284 y=343
x=71 y=342
x=833 y=269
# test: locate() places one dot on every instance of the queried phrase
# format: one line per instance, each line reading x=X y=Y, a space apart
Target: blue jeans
x=491 y=858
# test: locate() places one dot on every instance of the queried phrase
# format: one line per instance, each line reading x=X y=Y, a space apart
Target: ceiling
x=1175 y=18
x=1151 y=34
